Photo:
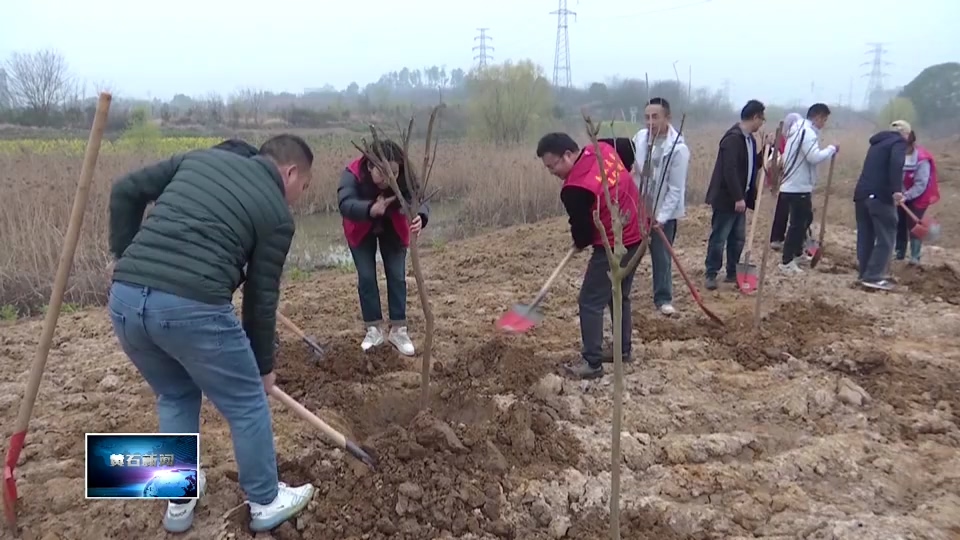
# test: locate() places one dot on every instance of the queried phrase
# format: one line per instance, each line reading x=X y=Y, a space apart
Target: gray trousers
x=596 y=293
x=876 y=234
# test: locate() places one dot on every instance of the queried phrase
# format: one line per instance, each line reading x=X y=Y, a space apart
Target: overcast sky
x=766 y=49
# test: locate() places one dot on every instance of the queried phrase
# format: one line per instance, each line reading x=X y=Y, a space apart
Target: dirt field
x=837 y=421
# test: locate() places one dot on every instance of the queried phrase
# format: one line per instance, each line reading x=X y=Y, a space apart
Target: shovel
x=333 y=435
x=19 y=432
x=523 y=317
x=815 y=249
x=693 y=290
x=747 y=271
x=317 y=349
x=926 y=229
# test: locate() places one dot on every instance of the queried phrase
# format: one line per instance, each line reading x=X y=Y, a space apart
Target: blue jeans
x=728 y=230
x=394 y=257
x=185 y=349
x=662 y=264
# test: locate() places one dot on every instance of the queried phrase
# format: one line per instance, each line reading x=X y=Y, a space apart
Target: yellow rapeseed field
x=159 y=146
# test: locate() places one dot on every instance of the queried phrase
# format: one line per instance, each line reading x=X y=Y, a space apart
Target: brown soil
x=727 y=432
x=932 y=282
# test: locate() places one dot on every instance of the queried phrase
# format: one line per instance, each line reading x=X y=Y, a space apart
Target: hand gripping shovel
x=523 y=317
x=815 y=248
x=926 y=229
x=333 y=435
x=19 y=432
x=317 y=349
x=683 y=274
x=747 y=271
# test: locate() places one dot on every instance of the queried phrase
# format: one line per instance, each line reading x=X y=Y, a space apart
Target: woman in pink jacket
x=920 y=192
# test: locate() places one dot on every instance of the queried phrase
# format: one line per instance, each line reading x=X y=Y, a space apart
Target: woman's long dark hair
x=392 y=152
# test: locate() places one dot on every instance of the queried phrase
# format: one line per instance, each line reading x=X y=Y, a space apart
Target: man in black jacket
x=215 y=212
x=876 y=196
x=732 y=190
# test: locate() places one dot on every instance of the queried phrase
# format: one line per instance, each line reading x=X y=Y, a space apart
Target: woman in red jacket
x=372 y=216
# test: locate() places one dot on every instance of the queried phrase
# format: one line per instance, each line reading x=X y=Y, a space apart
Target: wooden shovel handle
x=333 y=435
x=909 y=212
x=756 y=205
x=290 y=326
x=66 y=261
x=826 y=200
x=553 y=277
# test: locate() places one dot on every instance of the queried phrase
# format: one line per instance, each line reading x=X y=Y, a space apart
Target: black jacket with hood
x=882 y=173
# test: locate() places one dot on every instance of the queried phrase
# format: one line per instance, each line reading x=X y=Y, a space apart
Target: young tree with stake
x=417 y=182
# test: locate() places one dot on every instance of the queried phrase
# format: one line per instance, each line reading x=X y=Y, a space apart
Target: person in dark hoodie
x=373 y=216
x=732 y=190
x=171 y=300
x=878 y=192
x=582 y=194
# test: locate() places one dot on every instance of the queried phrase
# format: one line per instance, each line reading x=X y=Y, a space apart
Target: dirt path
x=838 y=421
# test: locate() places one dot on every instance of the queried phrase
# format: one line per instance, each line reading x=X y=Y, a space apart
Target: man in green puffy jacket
x=215 y=212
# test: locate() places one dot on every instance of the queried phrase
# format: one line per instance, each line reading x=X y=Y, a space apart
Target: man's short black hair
x=752 y=109
x=661 y=102
x=287 y=148
x=818 y=109
x=556 y=143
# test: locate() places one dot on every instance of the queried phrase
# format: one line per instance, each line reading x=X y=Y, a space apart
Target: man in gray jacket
x=662 y=179
x=801 y=156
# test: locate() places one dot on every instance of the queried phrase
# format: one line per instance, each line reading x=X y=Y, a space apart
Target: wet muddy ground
x=837 y=419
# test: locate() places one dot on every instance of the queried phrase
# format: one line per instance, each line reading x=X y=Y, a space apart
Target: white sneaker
x=373 y=338
x=804 y=259
x=289 y=502
x=399 y=338
x=179 y=517
x=668 y=310
x=791 y=268
x=776 y=246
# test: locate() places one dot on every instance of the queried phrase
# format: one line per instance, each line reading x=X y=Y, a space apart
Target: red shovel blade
x=9 y=480
x=519 y=319
x=747 y=282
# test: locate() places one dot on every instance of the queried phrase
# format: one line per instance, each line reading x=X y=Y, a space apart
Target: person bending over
x=372 y=217
x=582 y=194
x=219 y=219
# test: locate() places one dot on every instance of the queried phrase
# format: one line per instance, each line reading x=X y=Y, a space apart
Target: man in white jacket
x=662 y=179
x=801 y=156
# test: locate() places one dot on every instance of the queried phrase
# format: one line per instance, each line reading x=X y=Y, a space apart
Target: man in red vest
x=582 y=195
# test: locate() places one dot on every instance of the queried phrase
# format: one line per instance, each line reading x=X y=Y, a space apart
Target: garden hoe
x=523 y=317
x=19 y=432
x=747 y=271
x=815 y=249
x=334 y=436
x=312 y=343
x=926 y=229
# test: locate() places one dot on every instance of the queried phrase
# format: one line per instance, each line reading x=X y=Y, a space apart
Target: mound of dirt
x=343 y=360
x=932 y=282
x=634 y=525
x=793 y=328
x=433 y=475
x=500 y=365
x=439 y=470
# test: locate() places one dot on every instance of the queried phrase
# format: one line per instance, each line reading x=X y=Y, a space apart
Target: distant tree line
x=503 y=103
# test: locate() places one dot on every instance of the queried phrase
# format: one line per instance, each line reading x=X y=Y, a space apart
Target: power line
x=876 y=75
x=483 y=57
x=562 y=77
